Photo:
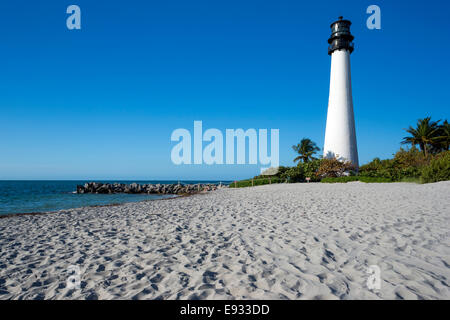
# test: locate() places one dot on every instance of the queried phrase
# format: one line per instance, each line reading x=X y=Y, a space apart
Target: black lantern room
x=341 y=38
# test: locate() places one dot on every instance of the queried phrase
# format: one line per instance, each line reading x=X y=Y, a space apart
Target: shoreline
x=175 y=196
x=18 y=202
x=37 y=213
x=9 y=215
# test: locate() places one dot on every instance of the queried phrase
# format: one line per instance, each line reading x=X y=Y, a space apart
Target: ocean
x=44 y=196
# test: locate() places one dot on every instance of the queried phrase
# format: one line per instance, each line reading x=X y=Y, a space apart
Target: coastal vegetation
x=427 y=160
x=437 y=170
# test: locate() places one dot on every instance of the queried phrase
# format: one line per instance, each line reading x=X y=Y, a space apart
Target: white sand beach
x=286 y=241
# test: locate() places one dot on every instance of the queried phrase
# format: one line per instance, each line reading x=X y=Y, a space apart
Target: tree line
x=430 y=162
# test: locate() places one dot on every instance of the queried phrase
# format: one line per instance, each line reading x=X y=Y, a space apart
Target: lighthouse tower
x=340 y=135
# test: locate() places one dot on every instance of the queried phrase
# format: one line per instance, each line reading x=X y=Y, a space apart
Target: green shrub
x=406 y=164
x=410 y=158
x=437 y=170
x=294 y=174
x=281 y=170
x=310 y=169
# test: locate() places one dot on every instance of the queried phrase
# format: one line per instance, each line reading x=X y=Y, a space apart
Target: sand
x=286 y=241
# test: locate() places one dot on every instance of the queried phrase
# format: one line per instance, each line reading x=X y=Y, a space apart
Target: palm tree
x=444 y=135
x=306 y=148
x=426 y=134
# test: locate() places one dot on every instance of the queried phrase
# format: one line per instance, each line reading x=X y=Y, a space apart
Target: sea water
x=44 y=196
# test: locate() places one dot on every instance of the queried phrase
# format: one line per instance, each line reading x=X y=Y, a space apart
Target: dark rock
x=107 y=188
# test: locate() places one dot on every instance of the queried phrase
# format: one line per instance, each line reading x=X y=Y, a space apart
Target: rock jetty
x=134 y=188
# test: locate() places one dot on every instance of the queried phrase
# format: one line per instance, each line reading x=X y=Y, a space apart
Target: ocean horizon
x=33 y=196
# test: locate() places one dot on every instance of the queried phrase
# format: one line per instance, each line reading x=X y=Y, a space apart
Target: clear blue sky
x=102 y=102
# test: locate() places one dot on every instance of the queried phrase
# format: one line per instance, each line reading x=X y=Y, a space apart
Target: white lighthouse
x=340 y=135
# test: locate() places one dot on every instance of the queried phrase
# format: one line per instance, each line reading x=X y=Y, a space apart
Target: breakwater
x=135 y=188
